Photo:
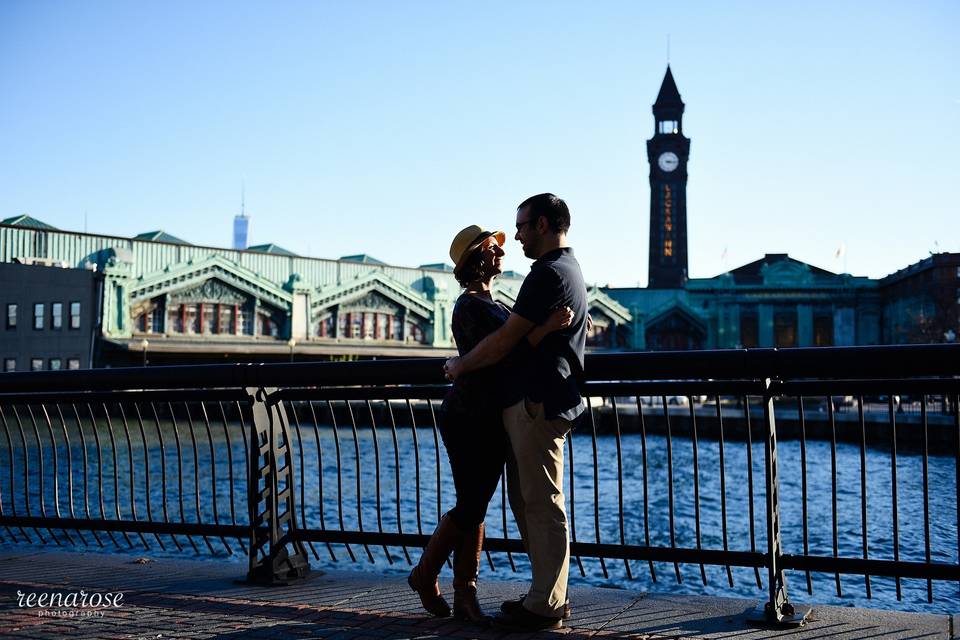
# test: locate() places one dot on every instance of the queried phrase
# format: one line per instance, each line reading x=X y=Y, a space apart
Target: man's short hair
x=550 y=207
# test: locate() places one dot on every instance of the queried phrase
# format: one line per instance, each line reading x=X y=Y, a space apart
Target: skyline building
x=241 y=224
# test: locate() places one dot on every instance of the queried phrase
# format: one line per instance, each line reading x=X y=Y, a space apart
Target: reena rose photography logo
x=69 y=604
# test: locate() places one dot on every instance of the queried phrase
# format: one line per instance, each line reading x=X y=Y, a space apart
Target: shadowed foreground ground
x=167 y=598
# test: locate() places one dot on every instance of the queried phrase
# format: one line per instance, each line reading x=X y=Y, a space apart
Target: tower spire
x=241 y=221
x=669 y=95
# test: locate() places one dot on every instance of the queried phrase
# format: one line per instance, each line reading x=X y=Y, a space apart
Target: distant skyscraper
x=240 y=224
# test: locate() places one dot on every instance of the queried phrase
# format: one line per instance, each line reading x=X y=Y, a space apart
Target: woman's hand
x=451 y=369
x=560 y=318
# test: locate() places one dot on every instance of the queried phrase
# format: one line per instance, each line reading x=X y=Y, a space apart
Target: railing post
x=270 y=495
x=777 y=610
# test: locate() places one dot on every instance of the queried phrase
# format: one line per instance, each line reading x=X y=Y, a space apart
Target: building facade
x=165 y=301
x=775 y=301
x=50 y=317
x=921 y=303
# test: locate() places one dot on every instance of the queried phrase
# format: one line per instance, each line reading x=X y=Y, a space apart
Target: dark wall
x=27 y=285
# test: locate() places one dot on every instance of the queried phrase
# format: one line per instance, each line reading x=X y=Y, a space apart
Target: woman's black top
x=474 y=318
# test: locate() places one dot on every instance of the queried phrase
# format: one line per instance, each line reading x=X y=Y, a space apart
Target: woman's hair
x=471 y=270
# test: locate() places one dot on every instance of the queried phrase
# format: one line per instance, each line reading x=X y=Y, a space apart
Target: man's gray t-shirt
x=552 y=374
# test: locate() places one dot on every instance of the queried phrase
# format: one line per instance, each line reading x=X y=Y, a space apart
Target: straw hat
x=468 y=240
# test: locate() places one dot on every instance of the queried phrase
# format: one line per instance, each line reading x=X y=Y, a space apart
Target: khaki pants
x=535 y=490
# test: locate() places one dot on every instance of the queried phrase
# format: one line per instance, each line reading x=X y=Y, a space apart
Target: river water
x=596 y=511
x=598 y=518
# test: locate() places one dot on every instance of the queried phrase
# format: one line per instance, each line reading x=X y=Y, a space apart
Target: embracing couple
x=514 y=397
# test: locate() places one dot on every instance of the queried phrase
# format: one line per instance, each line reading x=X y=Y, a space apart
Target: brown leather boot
x=423 y=577
x=466 y=567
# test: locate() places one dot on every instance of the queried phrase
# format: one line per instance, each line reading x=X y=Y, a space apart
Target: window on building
x=211 y=318
x=785 y=329
x=38 y=316
x=381 y=328
x=246 y=321
x=225 y=323
x=823 y=330
x=9 y=364
x=415 y=333
x=175 y=318
x=668 y=126
x=56 y=364
x=73 y=363
x=191 y=319
x=749 y=330
x=150 y=320
x=56 y=315
x=36 y=364
x=268 y=327
x=12 y=315
x=325 y=327
x=74 y=315
x=357 y=327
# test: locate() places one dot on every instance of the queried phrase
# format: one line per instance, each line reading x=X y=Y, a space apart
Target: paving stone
x=202 y=599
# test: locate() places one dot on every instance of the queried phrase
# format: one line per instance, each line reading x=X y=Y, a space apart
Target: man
x=547 y=400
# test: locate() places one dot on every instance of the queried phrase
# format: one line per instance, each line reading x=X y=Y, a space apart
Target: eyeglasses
x=520 y=225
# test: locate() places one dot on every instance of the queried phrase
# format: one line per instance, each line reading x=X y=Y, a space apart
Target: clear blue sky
x=385 y=127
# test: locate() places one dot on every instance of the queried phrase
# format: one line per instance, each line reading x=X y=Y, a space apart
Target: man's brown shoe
x=510 y=606
x=523 y=619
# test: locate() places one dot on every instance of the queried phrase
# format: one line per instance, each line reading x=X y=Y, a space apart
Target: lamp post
x=292 y=342
x=143 y=346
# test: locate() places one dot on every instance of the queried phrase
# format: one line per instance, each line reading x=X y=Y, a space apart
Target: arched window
x=415 y=333
x=325 y=327
x=268 y=326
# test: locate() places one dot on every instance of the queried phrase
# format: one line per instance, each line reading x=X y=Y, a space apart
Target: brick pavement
x=166 y=598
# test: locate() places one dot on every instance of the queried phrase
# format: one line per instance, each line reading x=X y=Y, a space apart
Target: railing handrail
x=875 y=362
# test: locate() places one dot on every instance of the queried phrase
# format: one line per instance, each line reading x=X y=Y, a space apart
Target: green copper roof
x=271 y=248
x=364 y=258
x=159 y=236
x=439 y=266
x=26 y=221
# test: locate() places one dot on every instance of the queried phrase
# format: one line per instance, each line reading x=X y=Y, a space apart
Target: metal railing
x=285 y=462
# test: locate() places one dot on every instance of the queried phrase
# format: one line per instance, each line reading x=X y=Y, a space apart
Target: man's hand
x=451 y=368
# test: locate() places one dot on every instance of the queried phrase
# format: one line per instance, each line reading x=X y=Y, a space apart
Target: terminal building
x=162 y=300
x=775 y=301
x=157 y=299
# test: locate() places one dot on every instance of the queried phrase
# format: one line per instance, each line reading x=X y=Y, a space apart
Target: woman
x=471 y=427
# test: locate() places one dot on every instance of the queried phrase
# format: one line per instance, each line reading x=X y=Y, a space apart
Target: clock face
x=668 y=161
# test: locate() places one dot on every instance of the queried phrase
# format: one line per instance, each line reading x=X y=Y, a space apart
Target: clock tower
x=667 y=152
